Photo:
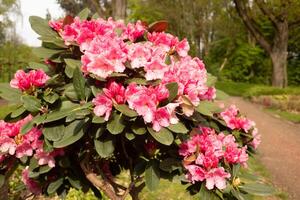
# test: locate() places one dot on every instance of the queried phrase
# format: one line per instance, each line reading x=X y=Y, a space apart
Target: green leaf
x=178 y=128
x=18 y=112
x=208 y=108
x=129 y=136
x=220 y=95
x=2 y=180
x=206 y=194
x=54 y=133
x=235 y=170
x=9 y=94
x=124 y=109
x=51 y=98
x=98 y=120
x=170 y=164
x=237 y=194
x=35 y=65
x=152 y=175
x=139 y=81
x=27 y=127
x=173 y=90
x=83 y=15
x=95 y=16
x=65 y=111
x=31 y=103
x=71 y=65
x=53 y=186
x=164 y=136
x=41 y=27
x=116 y=124
x=73 y=133
x=75 y=182
x=43 y=52
x=79 y=83
x=257 y=189
x=104 y=148
x=138 y=128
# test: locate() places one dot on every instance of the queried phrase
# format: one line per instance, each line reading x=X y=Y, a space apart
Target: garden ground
x=279 y=151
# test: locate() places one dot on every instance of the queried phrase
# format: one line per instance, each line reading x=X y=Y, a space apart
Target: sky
x=38 y=8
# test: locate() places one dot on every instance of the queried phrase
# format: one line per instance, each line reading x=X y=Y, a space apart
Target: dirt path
x=280 y=147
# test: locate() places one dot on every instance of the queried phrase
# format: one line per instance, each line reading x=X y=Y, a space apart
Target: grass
x=293 y=117
x=248 y=90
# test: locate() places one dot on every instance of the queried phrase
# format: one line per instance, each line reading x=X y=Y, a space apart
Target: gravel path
x=280 y=147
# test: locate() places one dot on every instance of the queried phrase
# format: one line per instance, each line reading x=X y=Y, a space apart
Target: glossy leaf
x=257 y=189
x=54 y=133
x=158 y=26
x=115 y=125
x=84 y=14
x=104 y=148
x=178 y=128
x=10 y=94
x=173 y=90
x=31 y=103
x=79 y=83
x=53 y=186
x=124 y=109
x=71 y=65
x=164 y=136
x=208 y=108
x=152 y=176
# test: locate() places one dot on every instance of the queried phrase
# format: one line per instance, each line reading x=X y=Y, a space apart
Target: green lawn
x=293 y=117
x=248 y=90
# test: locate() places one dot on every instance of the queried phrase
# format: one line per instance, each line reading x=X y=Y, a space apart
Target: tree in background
x=282 y=15
x=104 y=8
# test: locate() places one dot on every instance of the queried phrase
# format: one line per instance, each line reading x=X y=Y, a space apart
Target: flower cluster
x=205 y=154
x=108 y=45
x=13 y=143
x=28 y=81
x=235 y=121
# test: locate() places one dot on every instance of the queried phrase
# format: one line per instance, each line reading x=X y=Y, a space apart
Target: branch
x=101 y=184
x=263 y=7
x=251 y=25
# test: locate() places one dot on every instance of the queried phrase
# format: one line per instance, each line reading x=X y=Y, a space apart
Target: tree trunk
x=278 y=56
x=119 y=9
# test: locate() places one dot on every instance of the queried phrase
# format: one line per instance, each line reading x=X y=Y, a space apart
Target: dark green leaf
x=10 y=94
x=41 y=27
x=170 y=164
x=205 y=194
x=98 y=120
x=104 y=148
x=257 y=189
x=51 y=98
x=73 y=133
x=139 y=81
x=123 y=108
x=35 y=65
x=55 y=185
x=31 y=103
x=138 y=129
x=43 y=52
x=164 y=136
x=116 y=124
x=83 y=15
x=178 y=128
x=152 y=176
x=71 y=65
x=79 y=83
x=2 y=180
x=18 y=112
x=54 y=133
x=130 y=136
x=173 y=91
x=220 y=95
x=27 y=127
x=75 y=182
x=208 y=108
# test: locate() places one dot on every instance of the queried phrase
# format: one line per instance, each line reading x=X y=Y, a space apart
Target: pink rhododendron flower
x=195 y=173
x=31 y=184
x=164 y=116
x=115 y=91
x=182 y=48
x=25 y=81
x=209 y=150
x=139 y=55
x=56 y=25
x=103 y=106
x=155 y=69
x=38 y=77
x=134 y=31
x=216 y=177
x=21 y=81
x=256 y=138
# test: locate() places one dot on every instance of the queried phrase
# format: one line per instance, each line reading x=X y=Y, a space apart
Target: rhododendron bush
x=110 y=98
